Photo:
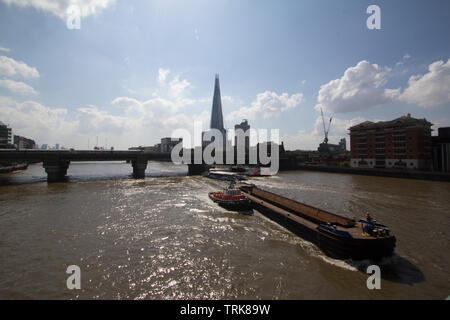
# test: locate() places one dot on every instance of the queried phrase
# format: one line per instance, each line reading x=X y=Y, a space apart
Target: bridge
x=56 y=162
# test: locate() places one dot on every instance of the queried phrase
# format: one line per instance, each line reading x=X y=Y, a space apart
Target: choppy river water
x=162 y=237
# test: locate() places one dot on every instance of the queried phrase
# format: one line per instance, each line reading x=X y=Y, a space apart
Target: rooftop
x=404 y=121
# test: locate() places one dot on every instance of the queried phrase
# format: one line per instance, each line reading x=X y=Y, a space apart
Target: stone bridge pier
x=139 y=167
x=56 y=170
x=197 y=169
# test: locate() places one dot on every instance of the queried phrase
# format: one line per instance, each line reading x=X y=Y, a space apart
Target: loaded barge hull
x=337 y=236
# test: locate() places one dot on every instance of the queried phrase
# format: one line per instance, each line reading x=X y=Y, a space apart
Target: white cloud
x=174 y=88
x=162 y=75
x=159 y=113
x=12 y=68
x=156 y=106
x=130 y=105
x=404 y=58
x=5 y=49
x=59 y=7
x=302 y=140
x=131 y=121
x=17 y=86
x=145 y=121
x=227 y=99
x=51 y=125
x=164 y=112
x=92 y=120
x=431 y=89
x=33 y=119
x=359 y=88
x=178 y=87
x=267 y=104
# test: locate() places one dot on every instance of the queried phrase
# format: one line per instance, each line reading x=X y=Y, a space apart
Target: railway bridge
x=56 y=162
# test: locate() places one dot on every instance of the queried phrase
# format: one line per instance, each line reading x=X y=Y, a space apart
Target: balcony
x=363 y=155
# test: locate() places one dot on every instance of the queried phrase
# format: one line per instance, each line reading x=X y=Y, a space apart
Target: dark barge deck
x=337 y=236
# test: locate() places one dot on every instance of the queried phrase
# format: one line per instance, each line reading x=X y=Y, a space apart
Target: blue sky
x=136 y=70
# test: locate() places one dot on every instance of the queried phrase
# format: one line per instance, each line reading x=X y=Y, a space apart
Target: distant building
x=441 y=150
x=245 y=127
x=24 y=143
x=44 y=146
x=329 y=147
x=167 y=144
x=404 y=142
x=140 y=148
x=216 y=116
x=268 y=146
x=5 y=136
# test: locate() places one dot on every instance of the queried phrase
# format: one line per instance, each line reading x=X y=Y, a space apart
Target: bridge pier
x=56 y=170
x=139 y=167
x=196 y=169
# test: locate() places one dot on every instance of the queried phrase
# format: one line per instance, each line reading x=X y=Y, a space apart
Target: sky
x=135 y=71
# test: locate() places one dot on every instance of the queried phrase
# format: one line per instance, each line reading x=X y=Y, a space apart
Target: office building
x=404 y=143
x=5 y=136
x=216 y=116
x=24 y=143
x=167 y=144
x=441 y=150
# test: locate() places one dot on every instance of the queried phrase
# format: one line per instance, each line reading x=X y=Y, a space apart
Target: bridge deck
x=81 y=155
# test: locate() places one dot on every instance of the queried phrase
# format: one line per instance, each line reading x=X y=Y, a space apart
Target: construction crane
x=325 y=131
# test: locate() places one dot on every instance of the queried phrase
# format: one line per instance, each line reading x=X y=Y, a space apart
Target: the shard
x=216 y=115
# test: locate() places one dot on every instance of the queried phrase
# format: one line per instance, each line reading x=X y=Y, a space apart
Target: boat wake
x=394 y=268
x=309 y=248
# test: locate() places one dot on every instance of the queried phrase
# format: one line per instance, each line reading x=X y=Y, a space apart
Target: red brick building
x=404 y=142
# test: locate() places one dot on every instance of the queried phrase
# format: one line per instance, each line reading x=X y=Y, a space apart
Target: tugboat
x=231 y=198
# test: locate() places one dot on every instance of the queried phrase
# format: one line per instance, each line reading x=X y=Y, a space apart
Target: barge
x=225 y=175
x=337 y=236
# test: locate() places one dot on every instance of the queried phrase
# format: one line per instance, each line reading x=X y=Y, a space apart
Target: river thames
x=163 y=238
